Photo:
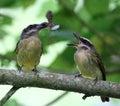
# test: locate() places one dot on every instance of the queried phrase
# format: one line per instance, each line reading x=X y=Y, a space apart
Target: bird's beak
x=72 y=44
x=78 y=38
x=42 y=25
x=47 y=25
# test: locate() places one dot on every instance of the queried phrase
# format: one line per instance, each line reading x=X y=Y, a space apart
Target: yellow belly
x=87 y=67
x=29 y=53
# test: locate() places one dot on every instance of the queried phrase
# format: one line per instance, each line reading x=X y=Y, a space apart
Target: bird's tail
x=104 y=99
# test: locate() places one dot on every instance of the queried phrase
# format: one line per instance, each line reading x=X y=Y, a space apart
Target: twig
x=8 y=95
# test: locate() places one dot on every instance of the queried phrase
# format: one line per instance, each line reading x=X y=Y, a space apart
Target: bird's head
x=33 y=29
x=83 y=43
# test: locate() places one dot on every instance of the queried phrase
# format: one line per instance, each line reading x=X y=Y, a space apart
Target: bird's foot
x=35 y=70
x=95 y=80
x=20 y=71
x=78 y=75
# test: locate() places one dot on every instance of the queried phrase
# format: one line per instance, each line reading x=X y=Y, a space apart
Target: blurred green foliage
x=16 y=3
x=96 y=20
x=12 y=102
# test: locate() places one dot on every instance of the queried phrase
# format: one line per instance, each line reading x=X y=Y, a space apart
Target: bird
x=29 y=47
x=88 y=61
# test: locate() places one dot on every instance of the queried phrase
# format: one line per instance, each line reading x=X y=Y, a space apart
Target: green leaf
x=2 y=33
x=113 y=77
x=4 y=19
x=27 y=3
x=7 y=3
x=102 y=23
x=69 y=3
x=13 y=102
x=48 y=5
x=65 y=61
x=67 y=21
x=96 y=7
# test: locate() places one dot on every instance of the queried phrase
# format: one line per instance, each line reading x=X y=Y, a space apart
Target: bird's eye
x=87 y=43
x=30 y=27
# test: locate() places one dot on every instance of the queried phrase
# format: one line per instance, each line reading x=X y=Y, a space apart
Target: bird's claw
x=95 y=80
x=35 y=70
x=78 y=75
x=20 y=71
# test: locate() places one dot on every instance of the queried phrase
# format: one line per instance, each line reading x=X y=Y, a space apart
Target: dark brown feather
x=101 y=66
x=99 y=62
x=102 y=69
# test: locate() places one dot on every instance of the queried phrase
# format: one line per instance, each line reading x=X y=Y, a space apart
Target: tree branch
x=60 y=82
x=8 y=95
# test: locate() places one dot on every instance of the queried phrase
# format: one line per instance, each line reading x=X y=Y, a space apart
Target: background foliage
x=96 y=20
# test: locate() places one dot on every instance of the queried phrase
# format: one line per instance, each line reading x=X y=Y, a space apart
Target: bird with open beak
x=88 y=61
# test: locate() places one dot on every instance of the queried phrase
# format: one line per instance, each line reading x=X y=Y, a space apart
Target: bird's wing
x=100 y=64
x=17 y=47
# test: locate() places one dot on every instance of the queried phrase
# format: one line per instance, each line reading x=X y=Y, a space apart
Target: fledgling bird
x=88 y=61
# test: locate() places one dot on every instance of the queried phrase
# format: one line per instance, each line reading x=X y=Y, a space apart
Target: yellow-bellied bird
x=29 y=48
x=88 y=61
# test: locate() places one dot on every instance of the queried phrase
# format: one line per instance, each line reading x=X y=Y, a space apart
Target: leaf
x=27 y=3
x=13 y=102
x=65 y=61
x=96 y=7
x=113 y=77
x=7 y=3
x=48 y=5
x=4 y=19
x=2 y=33
x=66 y=20
x=102 y=23
x=71 y=4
